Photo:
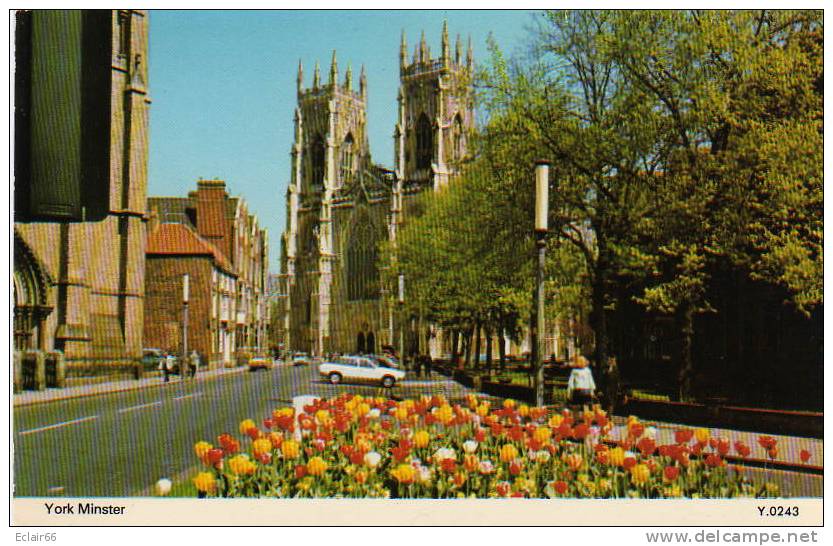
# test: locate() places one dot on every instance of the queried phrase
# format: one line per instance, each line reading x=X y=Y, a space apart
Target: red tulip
x=214 y=456
x=300 y=471
x=723 y=447
x=515 y=467
x=580 y=431
x=646 y=446
x=742 y=449
x=480 y=435
x=503 y=488
x=448 y=465
x=805 y=455
x=683 y=436
x=560 y=487
x=670 y=473
x=268 y=423
x=629 y=463
x=400 y=453
x=772 y=452
x=767 y=442
x=713 y=460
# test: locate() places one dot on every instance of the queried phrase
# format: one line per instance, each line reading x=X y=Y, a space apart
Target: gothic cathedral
x=341 y=206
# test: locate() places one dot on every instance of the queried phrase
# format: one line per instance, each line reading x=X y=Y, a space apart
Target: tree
x=740 y=96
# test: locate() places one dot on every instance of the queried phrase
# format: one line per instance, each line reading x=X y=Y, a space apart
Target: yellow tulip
x=323 y=417
x=616 y=456
x=702 y=435
x=201 y=448
x=640 y=474
x=205 y=482
x=444 y=414
x=261 y=445
x=421 y=438
x=247 y=424
x=508 y=453
x=523 y=411
x=508 y=403
x=556 y=420
x=542 y=434
x=404 y=473
x=290 y=449
x=316 y=466
x=483 y=409
x=241 y=465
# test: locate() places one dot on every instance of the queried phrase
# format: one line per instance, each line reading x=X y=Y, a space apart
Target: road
x=119 y=444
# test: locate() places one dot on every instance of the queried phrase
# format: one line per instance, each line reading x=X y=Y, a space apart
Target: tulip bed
x=352 y=446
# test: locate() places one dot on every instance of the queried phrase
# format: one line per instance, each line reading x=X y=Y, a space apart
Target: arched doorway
x=30 y=283
x=360 y=343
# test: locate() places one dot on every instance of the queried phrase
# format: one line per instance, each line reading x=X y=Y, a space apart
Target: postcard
x=428 y=267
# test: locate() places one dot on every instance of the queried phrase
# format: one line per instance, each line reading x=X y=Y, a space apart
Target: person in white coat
x=580 y=385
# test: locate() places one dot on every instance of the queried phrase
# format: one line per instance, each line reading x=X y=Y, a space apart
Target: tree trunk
x=455 y=338
x=685 y=319
x=477 y=329
x=599 y=320
x=501 y=347
x=488 y=348
x=469 y=335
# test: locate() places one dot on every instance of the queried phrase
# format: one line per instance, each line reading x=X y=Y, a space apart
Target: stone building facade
x=80 y=184
x=341 y=206
x=239 y=317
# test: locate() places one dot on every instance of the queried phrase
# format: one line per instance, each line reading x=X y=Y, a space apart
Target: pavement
x=118 y=438
x=153 y=380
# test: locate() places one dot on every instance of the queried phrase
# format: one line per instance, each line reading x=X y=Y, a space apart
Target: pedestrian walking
x=194 y=363
x=580 y=385
x=164 y=364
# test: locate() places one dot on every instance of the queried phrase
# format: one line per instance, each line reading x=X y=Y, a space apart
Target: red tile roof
x=181 y=240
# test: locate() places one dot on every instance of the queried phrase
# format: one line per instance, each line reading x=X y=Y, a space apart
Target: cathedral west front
x=341 y=206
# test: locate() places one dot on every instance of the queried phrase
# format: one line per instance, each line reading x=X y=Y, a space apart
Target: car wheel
x=335 y=378
x=388 y=381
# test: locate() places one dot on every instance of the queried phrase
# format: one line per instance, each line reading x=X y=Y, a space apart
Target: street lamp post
x=401 y=299
x=542 y=179
x=185 y=294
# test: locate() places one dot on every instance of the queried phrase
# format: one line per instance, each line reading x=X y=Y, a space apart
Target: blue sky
x=223 y=89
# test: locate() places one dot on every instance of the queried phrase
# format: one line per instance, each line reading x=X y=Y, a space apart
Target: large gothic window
x=347 y=159
x=424 y=143
x=318 y=159
x=458 y=144
x=362 y=275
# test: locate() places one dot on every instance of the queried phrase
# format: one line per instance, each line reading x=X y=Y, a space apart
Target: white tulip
x=470 y=446
x=163 y=487
x=372 y=458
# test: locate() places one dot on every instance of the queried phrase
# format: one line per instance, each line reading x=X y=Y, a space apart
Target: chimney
x=212 y=223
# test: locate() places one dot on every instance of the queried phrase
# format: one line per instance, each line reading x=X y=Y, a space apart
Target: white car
x=359 y=369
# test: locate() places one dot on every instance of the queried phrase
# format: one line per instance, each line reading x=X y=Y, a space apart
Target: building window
x=124 y=34
x=362 y=275
x=458 y=144
x=318 y=159
x=347 y=159
x=424 y=143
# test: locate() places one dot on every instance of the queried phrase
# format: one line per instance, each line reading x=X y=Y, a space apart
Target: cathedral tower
x=436 y=112
x=329 y=148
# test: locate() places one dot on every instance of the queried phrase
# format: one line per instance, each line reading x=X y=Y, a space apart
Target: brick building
x=81 y=124
x=219 y=229
x=174 y=250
